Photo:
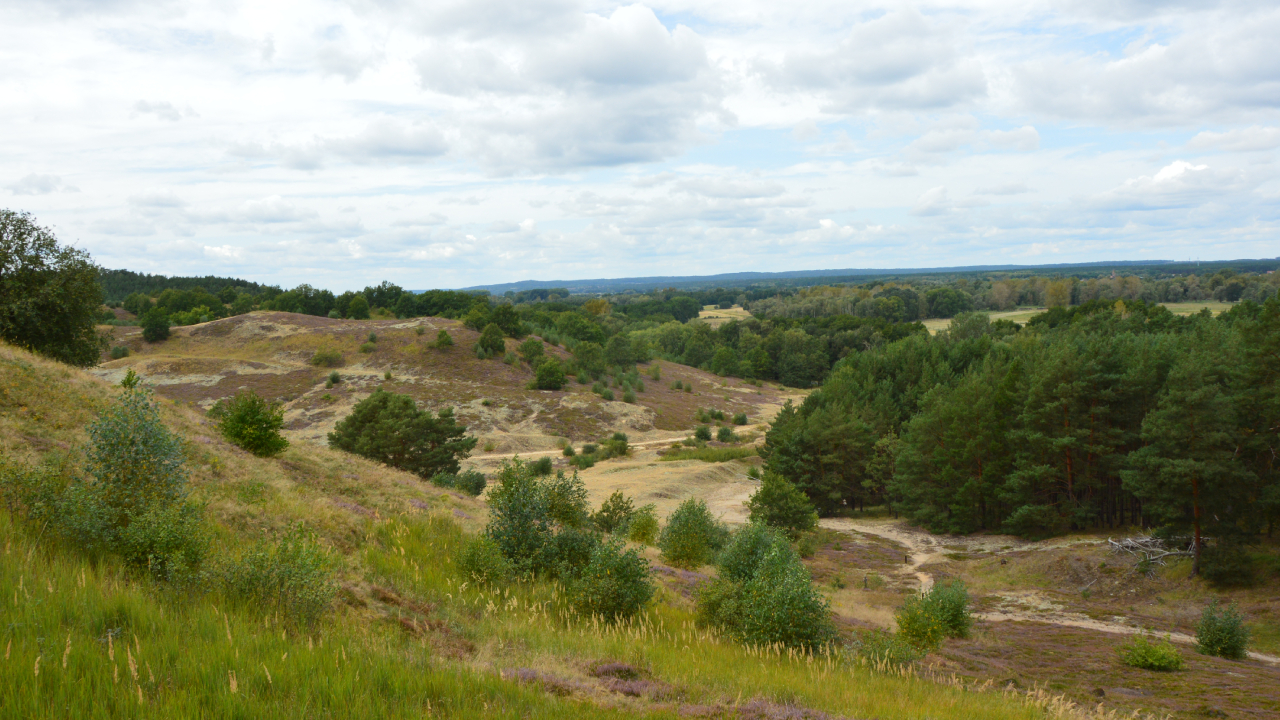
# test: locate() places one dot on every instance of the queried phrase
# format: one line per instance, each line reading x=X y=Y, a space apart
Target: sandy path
x=925 y=548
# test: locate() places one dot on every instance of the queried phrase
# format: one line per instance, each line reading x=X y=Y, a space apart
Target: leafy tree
x=49 y=294
x=155 y=326
x=614 y=514
x=580 y=328
x=780 y=504
x=945 y=302
x=691 y=536
x=617 y=353
x=590 y=357
x=531 y=350
x=390 y=429
x=358 y=308
x=615 y=583
x=491 y=340
x=254 y=424
x=684 y=308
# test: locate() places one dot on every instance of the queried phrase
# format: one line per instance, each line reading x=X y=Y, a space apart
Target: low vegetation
x=390 y=428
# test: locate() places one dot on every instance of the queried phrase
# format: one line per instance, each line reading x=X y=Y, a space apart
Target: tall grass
x=709 y=454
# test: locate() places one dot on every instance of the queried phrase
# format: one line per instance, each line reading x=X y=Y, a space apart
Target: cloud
x=383 y=141
x=1024 y=138
x=1238 y=140
x=1177 y=185
x=272 y=209
x=724 y=188
x=932 y=202
x=223 y=252
x=898 y=61
x=37 y=184
x=1006 y=189
x=162 y=110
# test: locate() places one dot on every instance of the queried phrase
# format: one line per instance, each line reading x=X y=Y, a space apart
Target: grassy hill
x=409 y=636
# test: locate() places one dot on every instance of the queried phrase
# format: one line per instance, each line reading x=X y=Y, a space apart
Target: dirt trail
x=1016 y=606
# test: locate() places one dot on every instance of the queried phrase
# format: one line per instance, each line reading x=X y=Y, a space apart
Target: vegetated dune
x=409 y=636
x=271 y=352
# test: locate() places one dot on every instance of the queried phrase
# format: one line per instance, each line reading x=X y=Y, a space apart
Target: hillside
x=408 y=637
x=270 y=353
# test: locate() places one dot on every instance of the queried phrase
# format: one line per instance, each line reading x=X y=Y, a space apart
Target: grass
x=709 y=454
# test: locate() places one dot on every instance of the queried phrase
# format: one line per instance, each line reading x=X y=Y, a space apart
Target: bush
x=569 y=552
x=614 y=584
x=419 y=331
x=482 y=562
x=1142 y=653
x=155 y=326
x=531 y=349
x=882 y=650
x=740 y=418
x=702 y=433
x=334 y=378
x=480 y=352
x=292 y=577
x=491 y=340
x=510 y=358
x=616 y=446
x=607 y=395
x=326 y=358
x=778 y=503
x=584 y=461
x=170 y=541
x=567 y=500
x=568 y=451
x=443 y=340
x=691 y=537
x=925 y=619
x=689 y=387
x=119 y=351
x=677 y=385
x=389 y=428
x=643 y=527
x=745 y=551
x=358 y=308
x=629 y=397
x=655 y=372
x=373 y=337
x=549 y=375
x=368 y=347
x=1227 y=564
x=254 y=424
x=541 y=466
x=725 y=434
x=590 y=448
x=1221 y=632
x=335 y=314
x=470 y=481
x=615 y=513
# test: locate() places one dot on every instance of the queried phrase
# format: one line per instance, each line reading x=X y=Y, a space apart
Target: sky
x=464 y=142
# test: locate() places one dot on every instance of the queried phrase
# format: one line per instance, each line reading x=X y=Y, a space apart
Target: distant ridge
x=691 y=282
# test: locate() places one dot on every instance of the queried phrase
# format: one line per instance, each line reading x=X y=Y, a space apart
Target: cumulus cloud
x=932 y=202
x=38 y=184
x=900 y=60
x=1179 y=184
x=383 y=141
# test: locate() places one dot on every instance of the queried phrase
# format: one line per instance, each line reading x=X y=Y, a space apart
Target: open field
x=1022 y=315
x=715 y=317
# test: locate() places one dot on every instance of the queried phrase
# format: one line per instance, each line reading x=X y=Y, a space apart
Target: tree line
x=1098 y=416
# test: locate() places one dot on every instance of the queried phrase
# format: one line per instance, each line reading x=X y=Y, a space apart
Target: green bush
x=689 y=387
x=480 y=352
x=568 y=451
x=677 y=385
x=616 y=446
x=1227 y=564
x=510 y=358
x=692 y=536
x=293 y=577
x=655 y=372
x=1221 y=632
x=373 y=337
x=745 y=551
x=615 y=583
x=725 y=434
x=779 y=503
x=335 y=314
x=119 y=351
x=155 y=326
x=368 y=347
x=590 y=448
x=549 y=375
x=531 y=350
x=740 y=418
x=519 y=521
x=481 y=561
x=470 y=481
x=925 y=619
x=881 y=650
x=389 y=428
x=607 y=395
x=169 y=541
x=629 y=397
x=569 y=552
x=643 y=527
x=614 y=514
x=541 y=466
x=491 y=340
x=1142 y=653
x=254 y=424
x=703 y=433
x=327 y=358
x=567 y=500
x=443 y=340
x=584 y=461
x=419 y=331
x=334 y=378
x=358 y=309
x=597 y=387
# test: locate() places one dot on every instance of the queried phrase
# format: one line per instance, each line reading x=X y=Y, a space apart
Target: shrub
x=541 y=466
x=293 y=577
x=170 y=541
x=519 y=519
x=531 y=350
x=326 y=358
x=807 y=546
x=549 y=375
x=567 y=500
x=655 y=372
x=590 y=448
x=471 y=481
x=677 y=385
x=119 y=351
x=569 y=552
x=707 y=454
x=582 y=462
x=882 y=650
x=334 y=314
x=443 y=340
x=614 y=514
x=491 y=340
x=597 y=387
x=510 y=358
x=616 y=446
x=607 y=395
x=779 y=503
x=725 y=434
x=745 y=551
x=688 y=387
x=368 y=347
x=1142 y=653
x=614 y=584
x=386 y=375
x=740 y=418
x=1227 y=564
x=334 y=378
x=358 y=308
x=480 y=353
x=702 y=433
x=373 y=337
x=643 y=527
x=568 y=451
x=254 y=424
x=692 y=536
x=629 y=397
x=753 y=472
x=1221 y=632
x=925 y=619
x=155 y=326
x=482 y=562
x=639 y=386
x=419 y=331
x=389 y=428
x=130 y=380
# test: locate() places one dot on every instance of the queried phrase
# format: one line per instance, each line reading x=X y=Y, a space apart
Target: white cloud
x=38 y=184
x=932 y=202
x=1248 y=139
x=162 y=110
